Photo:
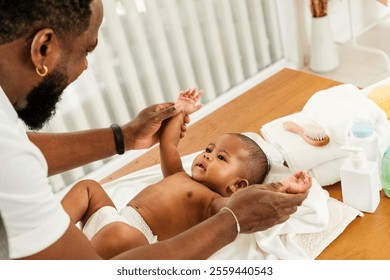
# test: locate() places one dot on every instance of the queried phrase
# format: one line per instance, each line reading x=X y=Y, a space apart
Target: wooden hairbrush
x=312 y=133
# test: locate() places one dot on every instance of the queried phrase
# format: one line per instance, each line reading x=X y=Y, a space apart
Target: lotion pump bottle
x=360 y=181
x=363 y=135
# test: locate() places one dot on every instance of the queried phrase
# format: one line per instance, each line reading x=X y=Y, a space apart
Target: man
x=43 y=48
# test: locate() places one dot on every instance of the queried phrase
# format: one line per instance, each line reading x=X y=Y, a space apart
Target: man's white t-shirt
x=33 y=216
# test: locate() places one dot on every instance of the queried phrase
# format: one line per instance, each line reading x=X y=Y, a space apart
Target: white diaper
x=134 y=219
x=101 y=218
x=109 y=214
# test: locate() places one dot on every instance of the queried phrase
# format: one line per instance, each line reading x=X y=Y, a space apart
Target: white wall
x=290 y=26
x=365 y=13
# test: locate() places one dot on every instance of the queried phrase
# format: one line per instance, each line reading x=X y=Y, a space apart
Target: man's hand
x=142 y=132
x=259 y=208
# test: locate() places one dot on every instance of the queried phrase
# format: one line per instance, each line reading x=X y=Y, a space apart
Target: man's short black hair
x=22 y=18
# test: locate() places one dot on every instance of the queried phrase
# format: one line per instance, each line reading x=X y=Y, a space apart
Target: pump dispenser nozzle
x=357 y=156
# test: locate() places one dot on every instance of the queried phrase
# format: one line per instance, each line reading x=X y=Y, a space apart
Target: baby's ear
x=238 y=184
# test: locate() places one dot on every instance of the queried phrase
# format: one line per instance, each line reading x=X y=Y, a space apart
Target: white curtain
x=149 y=50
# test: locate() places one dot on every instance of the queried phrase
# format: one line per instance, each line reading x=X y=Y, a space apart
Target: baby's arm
x=298 y=182
x=170 y=132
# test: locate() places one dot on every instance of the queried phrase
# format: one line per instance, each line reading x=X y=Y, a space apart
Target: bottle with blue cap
x=363 y=135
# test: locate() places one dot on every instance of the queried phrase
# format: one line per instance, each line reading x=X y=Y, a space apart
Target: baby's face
x=219 y=165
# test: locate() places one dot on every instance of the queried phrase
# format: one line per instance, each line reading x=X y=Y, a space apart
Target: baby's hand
x=299 y=182
x=188 y=100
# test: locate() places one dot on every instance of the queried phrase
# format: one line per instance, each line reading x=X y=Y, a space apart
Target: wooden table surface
x=282 y=94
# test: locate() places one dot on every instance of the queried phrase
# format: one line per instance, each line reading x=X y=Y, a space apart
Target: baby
x=179 y=201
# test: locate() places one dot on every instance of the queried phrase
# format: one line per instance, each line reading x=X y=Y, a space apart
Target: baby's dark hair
x=21 y=18
x=256 y=165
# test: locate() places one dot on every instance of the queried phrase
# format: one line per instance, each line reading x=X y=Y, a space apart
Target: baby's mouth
x=201 y=166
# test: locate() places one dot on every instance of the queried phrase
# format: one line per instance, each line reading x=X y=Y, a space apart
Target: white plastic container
x=360 y=182
x=363 y=135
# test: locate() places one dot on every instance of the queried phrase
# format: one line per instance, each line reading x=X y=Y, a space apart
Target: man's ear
x=238 y=184
x=44 y=50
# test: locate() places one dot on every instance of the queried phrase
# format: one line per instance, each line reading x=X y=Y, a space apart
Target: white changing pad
x=305 y=235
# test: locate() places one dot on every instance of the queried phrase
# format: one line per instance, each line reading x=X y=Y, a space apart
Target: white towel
x=335 y=109
x=340 y=215
x=290 y=246
x=299 y=155
x=311 y=217
x=338 y=107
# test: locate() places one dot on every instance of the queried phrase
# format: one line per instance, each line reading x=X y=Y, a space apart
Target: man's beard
x=42 y=100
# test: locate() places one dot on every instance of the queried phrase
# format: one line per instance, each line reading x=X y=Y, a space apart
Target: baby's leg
x=84 y=199
x=116 y=238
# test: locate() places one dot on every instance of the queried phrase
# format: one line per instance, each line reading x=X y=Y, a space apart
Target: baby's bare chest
x=176 y=192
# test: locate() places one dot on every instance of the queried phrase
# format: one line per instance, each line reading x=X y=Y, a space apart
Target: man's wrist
x=234 y=216
x=118 y=138
x=230 y=225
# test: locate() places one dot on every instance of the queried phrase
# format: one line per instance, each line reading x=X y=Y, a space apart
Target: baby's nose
x=207 y=156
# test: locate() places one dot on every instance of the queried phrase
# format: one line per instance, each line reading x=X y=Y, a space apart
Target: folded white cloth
x=340 y=215
x=328 y=173
x=300 y=155
x=278 y=242
x=311 y=217
x=291 y=246
x=335 y=109
x=338 y=107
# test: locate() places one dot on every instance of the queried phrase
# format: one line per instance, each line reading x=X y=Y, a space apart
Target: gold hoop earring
x=44 y=73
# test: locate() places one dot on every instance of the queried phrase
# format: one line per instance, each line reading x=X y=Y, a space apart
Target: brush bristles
x=315 y=131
